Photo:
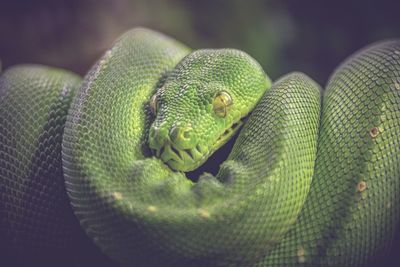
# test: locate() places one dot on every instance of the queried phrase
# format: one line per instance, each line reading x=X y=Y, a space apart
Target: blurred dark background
x=308 y=36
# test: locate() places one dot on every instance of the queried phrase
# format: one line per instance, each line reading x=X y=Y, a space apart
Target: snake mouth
x=229 y=132
x=189 y=159
x=182 y=159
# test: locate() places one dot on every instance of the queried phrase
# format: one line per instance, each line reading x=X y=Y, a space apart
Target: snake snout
x=177 y=147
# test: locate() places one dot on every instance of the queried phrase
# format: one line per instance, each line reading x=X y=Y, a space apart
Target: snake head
x=201 y=104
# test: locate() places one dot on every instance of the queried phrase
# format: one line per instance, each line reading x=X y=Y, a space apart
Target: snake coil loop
x=312 y=179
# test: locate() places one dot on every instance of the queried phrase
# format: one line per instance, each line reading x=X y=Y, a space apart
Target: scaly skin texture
x=292 y=192
x=37 y=225
x=250 y=204
x=186 y=120
x=352 y=210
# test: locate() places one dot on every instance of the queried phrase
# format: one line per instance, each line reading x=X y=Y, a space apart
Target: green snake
x=309 y=181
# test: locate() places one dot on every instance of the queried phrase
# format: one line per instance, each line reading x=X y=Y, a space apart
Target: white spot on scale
x=117 y=195
x=301 y=255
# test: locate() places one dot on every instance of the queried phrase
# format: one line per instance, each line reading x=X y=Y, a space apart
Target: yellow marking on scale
x=117 y=195
x=204 y=213
x=152 y=208
x=301 y=255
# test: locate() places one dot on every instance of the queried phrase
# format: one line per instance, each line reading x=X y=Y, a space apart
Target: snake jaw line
x=229 y=132
x=190 y=158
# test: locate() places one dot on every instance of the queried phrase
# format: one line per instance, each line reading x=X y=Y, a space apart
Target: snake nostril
x=179 y=134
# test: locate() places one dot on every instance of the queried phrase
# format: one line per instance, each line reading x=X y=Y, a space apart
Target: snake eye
x=221 y=101
x=153 y=104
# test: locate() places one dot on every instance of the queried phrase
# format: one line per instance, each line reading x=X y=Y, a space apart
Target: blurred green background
x=309 y=36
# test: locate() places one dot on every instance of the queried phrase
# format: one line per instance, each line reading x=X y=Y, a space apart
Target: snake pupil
x=221 y=101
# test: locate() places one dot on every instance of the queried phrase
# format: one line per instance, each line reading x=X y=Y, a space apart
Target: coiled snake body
x=306 y=183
